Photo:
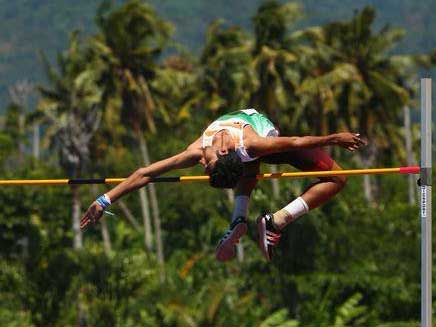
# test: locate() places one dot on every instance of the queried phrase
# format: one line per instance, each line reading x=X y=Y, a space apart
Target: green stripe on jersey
x=260 y=123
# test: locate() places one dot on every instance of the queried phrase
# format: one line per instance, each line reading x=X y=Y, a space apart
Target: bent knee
x=340 y=180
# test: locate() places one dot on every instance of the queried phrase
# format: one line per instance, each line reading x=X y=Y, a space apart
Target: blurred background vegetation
x=96 y=89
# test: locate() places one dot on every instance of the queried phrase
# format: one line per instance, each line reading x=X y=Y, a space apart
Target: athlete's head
x=226 y=170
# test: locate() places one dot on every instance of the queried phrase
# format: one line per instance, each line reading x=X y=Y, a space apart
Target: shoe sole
x=228 y=246
x=261 y=229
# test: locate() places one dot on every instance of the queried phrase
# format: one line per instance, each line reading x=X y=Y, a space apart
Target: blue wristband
x=103 y=201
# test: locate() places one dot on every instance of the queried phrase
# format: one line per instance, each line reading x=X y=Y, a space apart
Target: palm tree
x=227 y=78
x=130 y=40
x=273 y=61
x=70 y=107
x=176 y=91
x=354 y=83
x=19 y=94
x=407 y=66
x=273 y=58
x=9 y=133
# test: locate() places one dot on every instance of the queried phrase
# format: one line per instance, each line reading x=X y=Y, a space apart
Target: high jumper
x=231 y=150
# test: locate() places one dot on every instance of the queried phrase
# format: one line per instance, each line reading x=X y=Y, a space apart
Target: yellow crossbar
x=350 y=172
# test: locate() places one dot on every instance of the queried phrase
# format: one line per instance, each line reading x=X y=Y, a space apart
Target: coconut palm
x=176 y=92
x=273 y=62
x=408 y=65
x=70 y=107
x=354 y=83
x=19 y=94
x=129 y=42
x=273 y=59
x=226 y=78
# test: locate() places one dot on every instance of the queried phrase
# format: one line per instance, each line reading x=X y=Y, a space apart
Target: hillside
x=29 y=26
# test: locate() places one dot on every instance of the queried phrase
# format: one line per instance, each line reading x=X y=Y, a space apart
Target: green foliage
x=9 y=133
x=70 y=107
x=130 y=40
x=227 y=77
x=279 y=319
x=22 y=33
x=13 y=312
x=348 y=263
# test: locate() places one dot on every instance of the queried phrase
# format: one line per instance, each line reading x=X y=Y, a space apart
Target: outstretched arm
x=140 y=178
x=262 y=146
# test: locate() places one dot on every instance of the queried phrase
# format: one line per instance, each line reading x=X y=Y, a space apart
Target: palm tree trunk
x=367 y=188
x=157 y=224
x=82 y=318
x=410 y=155
x=106 y=236
x=367 y=159
x=35 y=141
x=129 y=216
x=77 y=233
x=154 y=205
x=239 y=246
x=21 y=147
x=19 y=94
x=103 y=223
x=145 y=205
x=145 y=209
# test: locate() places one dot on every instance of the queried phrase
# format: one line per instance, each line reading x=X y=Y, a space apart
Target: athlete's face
x=211 y=157
x=222 y=144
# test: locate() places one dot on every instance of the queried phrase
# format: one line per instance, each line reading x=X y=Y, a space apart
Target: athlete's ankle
x=280 y=219
x=290 y=213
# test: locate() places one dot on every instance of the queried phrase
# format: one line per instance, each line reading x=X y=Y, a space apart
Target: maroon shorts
x=302 y=159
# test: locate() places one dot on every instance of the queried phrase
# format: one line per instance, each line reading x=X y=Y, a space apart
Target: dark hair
x=227 y=171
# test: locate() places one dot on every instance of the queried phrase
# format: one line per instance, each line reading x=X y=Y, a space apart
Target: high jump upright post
x=426 y=215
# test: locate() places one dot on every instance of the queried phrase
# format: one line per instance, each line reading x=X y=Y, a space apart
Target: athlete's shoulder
x=251 y=138
x=196 y=145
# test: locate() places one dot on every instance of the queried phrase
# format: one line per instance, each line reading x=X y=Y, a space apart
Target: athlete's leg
x=244 y=188
x=323 y=190
x=314 y=196
x=269 y=225
x=238 y=227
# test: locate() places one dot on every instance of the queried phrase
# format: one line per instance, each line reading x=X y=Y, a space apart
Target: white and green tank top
x=234 y=123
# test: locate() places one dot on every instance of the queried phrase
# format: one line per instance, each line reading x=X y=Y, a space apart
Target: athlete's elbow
x=140 y=173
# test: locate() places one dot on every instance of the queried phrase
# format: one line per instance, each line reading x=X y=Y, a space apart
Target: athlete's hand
x=349 y=141
x=91 y=216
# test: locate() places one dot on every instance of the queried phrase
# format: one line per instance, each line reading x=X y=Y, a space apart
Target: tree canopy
x=127 y=94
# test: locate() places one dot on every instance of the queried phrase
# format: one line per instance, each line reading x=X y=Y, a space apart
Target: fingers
x=359 y=140
x=91 y=216
x=85 y=222
x=356 y=142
